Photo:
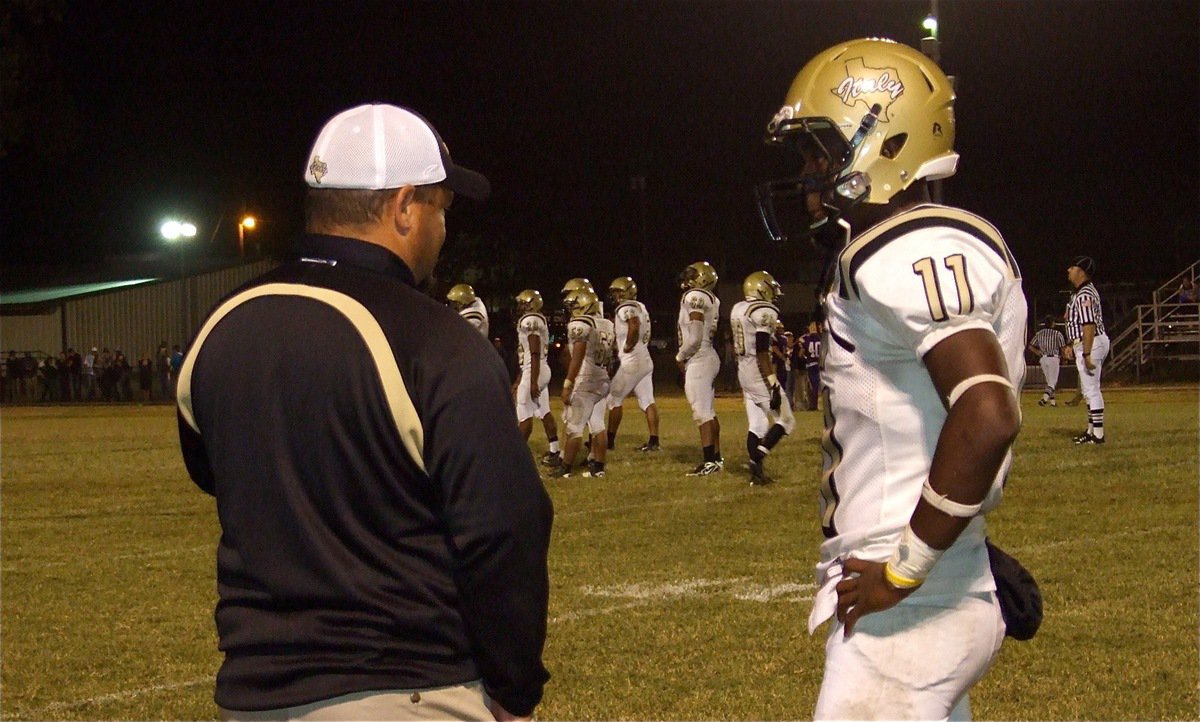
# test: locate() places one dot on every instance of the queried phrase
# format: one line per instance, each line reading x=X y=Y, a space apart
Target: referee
x=1047 y=344
x=1085 y=329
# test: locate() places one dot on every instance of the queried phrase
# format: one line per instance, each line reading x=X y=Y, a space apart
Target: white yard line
x=42 y=712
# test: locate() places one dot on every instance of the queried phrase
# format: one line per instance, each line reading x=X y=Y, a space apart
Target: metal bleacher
x=1166 y=330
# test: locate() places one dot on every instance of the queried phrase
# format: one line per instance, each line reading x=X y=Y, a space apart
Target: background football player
x=462 y=298
x=923 y=357
x=753 y=321
x=532 y=398
x=636 y=372
x=699 y=309
x=585 y=385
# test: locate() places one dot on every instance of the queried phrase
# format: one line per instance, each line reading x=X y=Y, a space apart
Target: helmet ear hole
x=893 y=145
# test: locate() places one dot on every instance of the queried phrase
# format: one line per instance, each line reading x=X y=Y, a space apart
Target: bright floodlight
x=187 y=230
x=248 y=222
x=170 y=230
x=930 y=24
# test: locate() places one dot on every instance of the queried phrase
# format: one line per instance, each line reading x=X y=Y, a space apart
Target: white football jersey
x=698 y=300
x=625 y=311
x=900 y=288
x=532 y=324
x=476 y=315
x=598 y=333
x=747 y=319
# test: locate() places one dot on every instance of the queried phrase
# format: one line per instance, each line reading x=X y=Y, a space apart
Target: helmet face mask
x=700 y=275
x=761 y=286
x=878 y=116
x=529 y=301
x=582 y=302
x=622 y=289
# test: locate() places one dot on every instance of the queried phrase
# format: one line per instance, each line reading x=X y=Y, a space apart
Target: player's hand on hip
x=863 y=590
x=1091 y=367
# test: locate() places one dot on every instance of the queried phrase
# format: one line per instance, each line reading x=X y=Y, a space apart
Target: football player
x=532 y=398
x=752 y=321
x=585 y=386
x=462 y=298
x=636 y=372
x=922 y=364
x=699 y=309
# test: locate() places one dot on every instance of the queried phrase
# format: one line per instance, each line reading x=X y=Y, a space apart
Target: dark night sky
x=1077 y=123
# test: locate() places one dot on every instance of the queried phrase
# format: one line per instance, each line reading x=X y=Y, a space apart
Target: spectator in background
x=791 y=348
x=162 y=361
x=47 y=376
x=145 y=369
x=106 y=375
x=64 y=376
x=124 y=377
x=74 y=372
x=1187 y=292
x=4 y=383
x=88 y=376
x=176 y=364
x=29 y=375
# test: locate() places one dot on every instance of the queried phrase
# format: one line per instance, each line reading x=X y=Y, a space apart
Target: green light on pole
x=930 y=24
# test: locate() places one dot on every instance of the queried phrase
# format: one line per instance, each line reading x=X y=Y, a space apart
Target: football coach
x=384 y=532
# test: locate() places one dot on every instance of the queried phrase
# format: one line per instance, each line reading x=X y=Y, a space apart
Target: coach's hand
x=776 y=398
x=865 y=592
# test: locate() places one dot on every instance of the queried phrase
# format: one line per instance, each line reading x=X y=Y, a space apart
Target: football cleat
x=551 y=459
x=1091 y=439
x=1042 y=402
x=758 y=477
x=559 y=472
x=594 y=470
x=649 y=447
x=1080 y=438
x=1053 y=403
x=708 y=467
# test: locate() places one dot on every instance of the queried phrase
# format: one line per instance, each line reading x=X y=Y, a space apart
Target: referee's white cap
x=378 y=146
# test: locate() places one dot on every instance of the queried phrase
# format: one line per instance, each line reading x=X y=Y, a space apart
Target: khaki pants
x=461 y=702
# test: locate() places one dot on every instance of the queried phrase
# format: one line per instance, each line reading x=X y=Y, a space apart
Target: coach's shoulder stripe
x=857 y=253
x=404 y=413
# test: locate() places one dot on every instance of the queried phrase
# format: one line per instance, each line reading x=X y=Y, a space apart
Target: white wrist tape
x=969 y=382
x=911 y=562
x=947 y=505
x=772 y=381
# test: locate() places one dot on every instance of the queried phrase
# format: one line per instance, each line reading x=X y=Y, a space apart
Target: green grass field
x=671 y=598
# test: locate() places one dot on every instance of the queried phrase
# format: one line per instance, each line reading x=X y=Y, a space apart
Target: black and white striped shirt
x=1048 y=341
x=1082 y=309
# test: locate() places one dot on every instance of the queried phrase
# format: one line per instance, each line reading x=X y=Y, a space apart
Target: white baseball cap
x=377 y=146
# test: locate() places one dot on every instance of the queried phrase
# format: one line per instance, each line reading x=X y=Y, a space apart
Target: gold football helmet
x=582 y=302
x=529 y=301
x=622 y=289
x=460 y=296
x=575 y=284
x=761 y=286
x=877 y=115
x=700 y=274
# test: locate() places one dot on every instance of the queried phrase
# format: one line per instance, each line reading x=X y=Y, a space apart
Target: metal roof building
x=134 y=315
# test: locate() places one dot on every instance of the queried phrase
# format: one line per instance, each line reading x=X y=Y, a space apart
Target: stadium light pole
x=177 y=233
x=932 y=48
x=247 y=223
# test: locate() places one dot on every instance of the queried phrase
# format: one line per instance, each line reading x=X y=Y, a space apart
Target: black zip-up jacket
x=382 y=523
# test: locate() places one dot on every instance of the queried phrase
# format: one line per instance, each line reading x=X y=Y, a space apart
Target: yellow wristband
x=568 y=383
x=898 y=581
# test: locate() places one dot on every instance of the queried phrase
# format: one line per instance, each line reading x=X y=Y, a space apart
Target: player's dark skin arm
x=631 y=335
x=535 y=365
x=978 y=432
x=578 y=350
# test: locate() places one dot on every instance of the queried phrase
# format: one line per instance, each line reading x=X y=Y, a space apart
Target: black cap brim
x=466 y=182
